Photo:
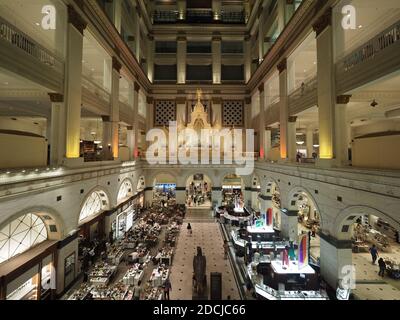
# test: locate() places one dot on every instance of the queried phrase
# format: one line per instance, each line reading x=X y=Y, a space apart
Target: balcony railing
x=307 y=86
x=200 y=16
x=20 y=40
x=165 y=16
x=233 y=17
x=370 y=49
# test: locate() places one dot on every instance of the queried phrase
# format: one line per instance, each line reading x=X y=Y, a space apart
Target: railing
x=199 y=16
x=369 y=50
x=96 y=89
x=18 y=39
x=306 y=87
x=233 y=17
x=165 y=16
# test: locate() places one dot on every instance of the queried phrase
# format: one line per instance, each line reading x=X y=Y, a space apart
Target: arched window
x=125 y=191
x=20 y=235
x=94 y=204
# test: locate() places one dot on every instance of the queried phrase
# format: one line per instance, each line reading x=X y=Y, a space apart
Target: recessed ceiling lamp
x=316 y=145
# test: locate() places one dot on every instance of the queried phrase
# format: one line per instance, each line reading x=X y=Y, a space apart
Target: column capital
x=150 y=37
x=339 y=244
x=216 y=38
x=292 y=119
x=323 y=22
x=149 y=100
x=261 y=87
x=76 y=20
x=343 y=99
x=56 y=97
x=105 y=118
x=282 y=65
x=247 y=37
x=136 y=86
x=181 y=38
x=247 y=100
x=117 y=66
x=129 y=128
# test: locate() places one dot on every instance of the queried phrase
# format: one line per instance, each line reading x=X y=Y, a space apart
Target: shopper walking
x=167 y=289
x=374 y=253
x=382 y=267
x=137 y=291
x=189 y=229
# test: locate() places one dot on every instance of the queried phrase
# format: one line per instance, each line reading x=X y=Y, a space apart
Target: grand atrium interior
x=199 y=150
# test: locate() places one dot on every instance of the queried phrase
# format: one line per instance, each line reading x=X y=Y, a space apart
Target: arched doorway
x=198 y=191
x=164 y=189
x=233 y=191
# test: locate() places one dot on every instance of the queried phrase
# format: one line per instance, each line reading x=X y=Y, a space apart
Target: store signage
x=349 y=21
x=49 y=19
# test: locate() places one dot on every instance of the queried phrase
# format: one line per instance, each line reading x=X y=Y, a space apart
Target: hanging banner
x=303 y=251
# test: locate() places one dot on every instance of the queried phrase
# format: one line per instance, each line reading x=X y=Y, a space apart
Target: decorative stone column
x=137 y=15
x=247 y=58
x=310 y=141
x=107 y=138
x=342 y=139
x=131 y=141
x=181 y=9
x=150 y=58
x=73 y=83
x=261 y=33
x=326 y=86
x=216 y=113
x=114 y=114
x=216 y=8
x=268 y=142
x=136 y=119
x=292 y=139
x=57 y=128
x=261 y=129
x=216 y=59
x=284 y=109
x=336 y=260
x=181 y=59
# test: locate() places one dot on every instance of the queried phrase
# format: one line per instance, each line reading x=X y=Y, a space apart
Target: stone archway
x=199 y=191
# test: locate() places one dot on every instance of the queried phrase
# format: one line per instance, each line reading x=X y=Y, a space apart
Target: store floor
x=369 y=285
x=207 y=235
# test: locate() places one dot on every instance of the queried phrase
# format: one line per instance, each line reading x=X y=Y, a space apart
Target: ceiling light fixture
x=374 y=104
